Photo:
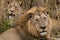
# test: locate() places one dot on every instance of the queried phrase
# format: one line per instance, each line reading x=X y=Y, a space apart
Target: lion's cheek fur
x=49 y=28
x=31 y=29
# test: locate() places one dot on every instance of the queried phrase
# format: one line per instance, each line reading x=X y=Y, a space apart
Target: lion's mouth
x=43 y=33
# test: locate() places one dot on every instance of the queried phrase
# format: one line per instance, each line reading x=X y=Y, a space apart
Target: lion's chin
x=43 y=33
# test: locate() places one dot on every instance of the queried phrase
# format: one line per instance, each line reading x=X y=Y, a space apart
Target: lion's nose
x=11 y=10
x=43 y=27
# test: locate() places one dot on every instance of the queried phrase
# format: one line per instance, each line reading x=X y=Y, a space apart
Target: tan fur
x=42 y=9
x=10 y=34
x=0 y=17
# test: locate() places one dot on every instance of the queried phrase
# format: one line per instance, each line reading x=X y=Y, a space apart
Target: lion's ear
x=32 y=10
x=20 y=3
x=42 y=9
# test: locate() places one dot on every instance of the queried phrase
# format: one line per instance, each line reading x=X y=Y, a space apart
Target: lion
x=32 y=25
x=14 y=10
x=39 y=27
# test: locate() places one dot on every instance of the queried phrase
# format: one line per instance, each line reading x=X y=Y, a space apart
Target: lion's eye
x=30 y=15
x=47 y=12
x=8 y=2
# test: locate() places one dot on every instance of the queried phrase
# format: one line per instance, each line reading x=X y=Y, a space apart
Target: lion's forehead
x=36 y=16
x=43 y=15
x=40 y=15
x=42 y=18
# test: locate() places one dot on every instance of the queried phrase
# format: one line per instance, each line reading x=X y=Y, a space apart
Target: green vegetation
x=4 y=25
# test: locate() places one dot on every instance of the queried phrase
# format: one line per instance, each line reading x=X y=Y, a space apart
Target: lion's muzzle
x=43 y=33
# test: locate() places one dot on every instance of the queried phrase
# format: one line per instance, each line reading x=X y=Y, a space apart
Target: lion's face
x=14 y=9
x=41 y=21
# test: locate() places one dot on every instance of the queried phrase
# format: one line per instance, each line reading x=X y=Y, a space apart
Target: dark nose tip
x=12 y=11
x=43 y=27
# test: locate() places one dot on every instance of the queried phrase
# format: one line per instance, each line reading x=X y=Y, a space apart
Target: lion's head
x=39 y=23
x=14 y=9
